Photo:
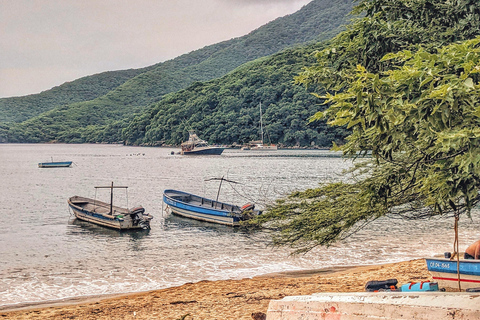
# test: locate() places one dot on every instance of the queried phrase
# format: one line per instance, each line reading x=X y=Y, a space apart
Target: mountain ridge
x=315 y=21
x=202 y=64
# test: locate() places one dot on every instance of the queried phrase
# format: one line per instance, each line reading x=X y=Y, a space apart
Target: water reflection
x=44 y=255
x=79 y=227
x=174 y=222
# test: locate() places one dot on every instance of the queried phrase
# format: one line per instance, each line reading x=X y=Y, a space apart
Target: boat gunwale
x=55 y=164
x=463 y=263
x=98 y=203
x=212 y=210
x=97 y=215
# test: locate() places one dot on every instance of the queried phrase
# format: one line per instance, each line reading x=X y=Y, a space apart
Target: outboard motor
x=140 y=218
x=137 y=210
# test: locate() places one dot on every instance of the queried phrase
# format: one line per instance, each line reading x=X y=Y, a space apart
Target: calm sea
x=45 y=254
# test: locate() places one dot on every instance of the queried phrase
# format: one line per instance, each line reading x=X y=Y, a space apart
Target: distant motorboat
x=199 y=208
x=108 y=215
x=197 y=146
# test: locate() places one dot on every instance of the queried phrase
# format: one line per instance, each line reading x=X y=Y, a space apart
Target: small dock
x=378 y=306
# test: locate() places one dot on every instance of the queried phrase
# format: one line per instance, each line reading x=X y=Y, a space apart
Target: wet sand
x=225 y=299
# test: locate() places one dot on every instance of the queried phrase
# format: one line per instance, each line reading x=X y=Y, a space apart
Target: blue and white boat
x=195 y=207
x=107 y=215
x=55 y=164
x=444 y=271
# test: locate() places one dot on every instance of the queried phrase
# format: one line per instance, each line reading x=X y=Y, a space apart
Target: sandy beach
x=225 y=299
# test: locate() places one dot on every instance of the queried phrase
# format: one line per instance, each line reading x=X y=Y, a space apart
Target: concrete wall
x=378 y=306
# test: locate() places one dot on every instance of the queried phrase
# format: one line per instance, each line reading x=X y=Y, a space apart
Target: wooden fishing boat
x=197 y=146
x=108 y=215
x=195 y=207
x=55 y=164
x=444 y=271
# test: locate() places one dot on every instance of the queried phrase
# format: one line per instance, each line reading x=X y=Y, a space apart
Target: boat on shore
x=108 y=215
x=195 y=207
x=444 y=271
x=55 y=164
x=197 y=146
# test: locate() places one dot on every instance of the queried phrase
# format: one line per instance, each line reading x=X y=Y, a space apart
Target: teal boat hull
x=63 y=164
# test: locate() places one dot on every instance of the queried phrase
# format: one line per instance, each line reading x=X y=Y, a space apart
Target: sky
x=44 y=43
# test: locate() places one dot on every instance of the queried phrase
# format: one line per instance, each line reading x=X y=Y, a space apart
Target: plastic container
x=420 y=286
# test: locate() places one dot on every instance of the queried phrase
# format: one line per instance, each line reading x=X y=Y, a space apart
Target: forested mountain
x=224 y=111
x=18 y=109
x=107 y=97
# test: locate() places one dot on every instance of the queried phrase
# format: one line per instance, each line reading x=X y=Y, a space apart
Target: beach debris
x=419 y=286
x=259 y=316
x=381 y=285
x=183 y=302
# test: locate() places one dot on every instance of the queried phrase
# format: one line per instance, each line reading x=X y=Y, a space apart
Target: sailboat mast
x=261 y=123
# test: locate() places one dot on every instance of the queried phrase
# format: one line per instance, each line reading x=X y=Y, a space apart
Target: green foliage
x=415 y=109
x=426 y=110
x=95 y=102
x=391 y=26
x=225 y=111
x=18 y=109
x=319 y=217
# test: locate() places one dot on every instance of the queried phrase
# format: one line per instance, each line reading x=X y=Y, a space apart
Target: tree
x=418 y=113
x=391 y=26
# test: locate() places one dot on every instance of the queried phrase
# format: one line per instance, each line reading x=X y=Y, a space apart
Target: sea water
x=45 y=254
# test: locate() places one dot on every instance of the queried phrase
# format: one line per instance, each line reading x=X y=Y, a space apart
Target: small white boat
x=258 y=144
x=108 y=215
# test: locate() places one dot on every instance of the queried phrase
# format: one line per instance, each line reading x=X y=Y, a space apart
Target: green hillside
x=223 y=111
x=226 y=110
x=17 y=109
x=317 y=20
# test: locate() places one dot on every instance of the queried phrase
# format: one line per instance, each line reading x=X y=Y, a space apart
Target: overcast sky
x=44 y=43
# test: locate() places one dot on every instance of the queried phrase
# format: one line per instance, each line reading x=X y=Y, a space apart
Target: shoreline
x=220 y=299
x=94 y=298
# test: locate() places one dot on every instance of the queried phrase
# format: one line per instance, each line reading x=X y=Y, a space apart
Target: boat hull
x=264 y=148
x=64 y=164
x=190 y=206
x=204 y=151
x=120 y=220
x=444 y=271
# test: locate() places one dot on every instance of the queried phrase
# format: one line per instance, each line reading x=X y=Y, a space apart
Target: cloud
x=44 y=43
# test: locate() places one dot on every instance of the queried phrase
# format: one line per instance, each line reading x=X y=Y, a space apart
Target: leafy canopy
x=415 y=109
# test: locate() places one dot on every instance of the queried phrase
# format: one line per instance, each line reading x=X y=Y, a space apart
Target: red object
x=421 y=284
